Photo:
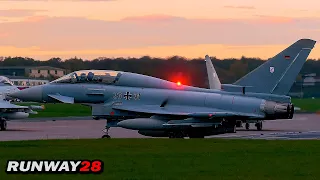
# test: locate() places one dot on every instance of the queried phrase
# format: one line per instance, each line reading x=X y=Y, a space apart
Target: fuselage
x=88 y=93
x=132 y=80
x=102 y=89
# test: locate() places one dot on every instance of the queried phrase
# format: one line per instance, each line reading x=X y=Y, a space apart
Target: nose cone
x=29 y=94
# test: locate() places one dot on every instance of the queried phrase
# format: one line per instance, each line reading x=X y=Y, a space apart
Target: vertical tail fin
x=213 y=78
x=277 y=75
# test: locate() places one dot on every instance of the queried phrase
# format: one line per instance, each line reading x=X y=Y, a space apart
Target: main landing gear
x=3 y=124
x=247 y=126
x=257 y=124
x=182 y=134
x=106 y=131
x=229 y=127
x=176 y=134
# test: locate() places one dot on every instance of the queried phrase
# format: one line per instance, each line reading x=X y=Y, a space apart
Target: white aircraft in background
x=10 y=111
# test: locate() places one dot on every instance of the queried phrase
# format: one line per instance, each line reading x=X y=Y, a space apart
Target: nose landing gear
x=3 y=124
x=106 y=131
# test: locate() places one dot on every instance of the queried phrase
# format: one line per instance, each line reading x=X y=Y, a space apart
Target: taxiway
x=302 y=126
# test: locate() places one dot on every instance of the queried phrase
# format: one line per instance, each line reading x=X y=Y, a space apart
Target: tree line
x=175 y=68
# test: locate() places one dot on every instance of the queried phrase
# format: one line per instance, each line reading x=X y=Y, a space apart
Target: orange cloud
x=35 y=18
x=191 y=51
x=63 y=0
x=152 y=18
x=18 y=12
x=240 y=7
x=2 y=35
x=166 y=18
x=275 y=19
x=177 y=36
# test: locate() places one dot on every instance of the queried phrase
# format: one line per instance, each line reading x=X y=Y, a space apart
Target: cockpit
x=90 y=76
x=5 y=81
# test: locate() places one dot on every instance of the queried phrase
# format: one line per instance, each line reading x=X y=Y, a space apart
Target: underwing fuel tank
x=142 y=124
x=16 y=115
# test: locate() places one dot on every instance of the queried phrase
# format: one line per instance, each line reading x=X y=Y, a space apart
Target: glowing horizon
x=124 y=28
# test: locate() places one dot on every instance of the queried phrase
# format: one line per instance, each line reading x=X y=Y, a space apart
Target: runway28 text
x=54 y=166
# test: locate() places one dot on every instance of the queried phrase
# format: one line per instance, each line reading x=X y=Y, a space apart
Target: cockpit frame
x=90 y=76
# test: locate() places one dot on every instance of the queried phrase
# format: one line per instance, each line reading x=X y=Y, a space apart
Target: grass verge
x=307 y=105
x=175 y=158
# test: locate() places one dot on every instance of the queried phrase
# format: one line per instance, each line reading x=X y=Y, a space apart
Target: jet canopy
x=5 y=81
x=90 y=76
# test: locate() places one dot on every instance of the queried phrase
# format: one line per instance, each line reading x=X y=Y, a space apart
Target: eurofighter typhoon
x=160 y=108
x=10 y=111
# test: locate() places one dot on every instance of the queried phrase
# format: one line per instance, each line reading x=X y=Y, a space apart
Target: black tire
x=176 y=135
x=230 y=127
x=3 y=125
x=196 y=136
x=95 y=118
x=247 y=126
x=106 y=136
x=259 y=126
x=234 y=130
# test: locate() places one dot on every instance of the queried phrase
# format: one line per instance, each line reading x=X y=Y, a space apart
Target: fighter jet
x=10 y=111
x=157 y=107
x=272 y=80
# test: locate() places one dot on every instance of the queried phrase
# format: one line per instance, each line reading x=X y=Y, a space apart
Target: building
x=308 y=87
x=29 y=82
x=25 y=81
x=310 y=79
x=33 y=71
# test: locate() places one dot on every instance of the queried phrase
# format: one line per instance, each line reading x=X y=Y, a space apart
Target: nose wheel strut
x=3 y=124
x=106 y=131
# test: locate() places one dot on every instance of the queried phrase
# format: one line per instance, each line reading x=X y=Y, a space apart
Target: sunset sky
x=89 y=29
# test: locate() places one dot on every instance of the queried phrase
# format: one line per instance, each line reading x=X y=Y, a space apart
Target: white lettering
x=52 y=166
x=12 y=166
x=36 y=165
x=64 y=166
x=25 y=166
x=74 y=165
x=39 y=166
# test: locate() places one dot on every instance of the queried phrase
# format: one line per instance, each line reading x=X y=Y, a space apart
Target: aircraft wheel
x=106 y=136
x=239 y=123
x=196 y=136
x=247 y=126
x=171 y=135
x=230 y=127
x=234 y=129
x=259 y=126
x=176 y=134
x=95 y=118
x=3 y=125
